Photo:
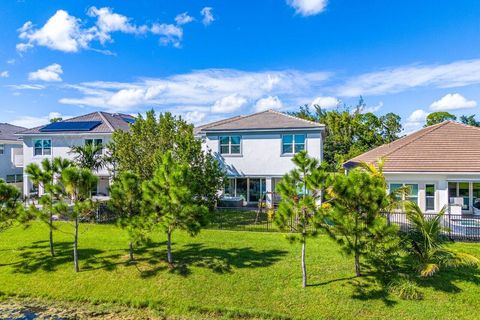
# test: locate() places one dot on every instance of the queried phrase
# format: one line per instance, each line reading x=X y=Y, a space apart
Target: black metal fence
x=455 y=227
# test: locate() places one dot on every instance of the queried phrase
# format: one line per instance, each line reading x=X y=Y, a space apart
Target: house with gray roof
x=56 y=139
x=11 y=154
x=256 y=151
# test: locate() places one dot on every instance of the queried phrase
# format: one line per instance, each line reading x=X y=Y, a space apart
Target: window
x=430 y=197
x=42 y=147
x=229 y=190
x=95 y=142
x=14 y=178
x=411 y=196
x=460 y=190
x=230 y=144
x=293 y=143
x=2 y=148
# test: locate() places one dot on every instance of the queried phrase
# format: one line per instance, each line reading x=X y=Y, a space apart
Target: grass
x=220 y=275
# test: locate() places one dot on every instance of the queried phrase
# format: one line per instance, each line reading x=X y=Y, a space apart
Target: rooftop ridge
x=294 y=117
x=107 y=122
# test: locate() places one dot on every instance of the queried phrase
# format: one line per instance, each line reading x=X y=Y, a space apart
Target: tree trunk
x=75 y=247
x=131 y=251
x=357 y=265
x=169 y=246
x=304 y=266
x=50 y=224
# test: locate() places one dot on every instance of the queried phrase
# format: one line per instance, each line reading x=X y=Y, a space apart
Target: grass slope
x=219 y=274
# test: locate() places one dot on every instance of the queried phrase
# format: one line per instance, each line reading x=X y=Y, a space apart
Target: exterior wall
x=61 y=145
x=262 y=153
x=261 y=156
x=439 y=180
x=11 y=161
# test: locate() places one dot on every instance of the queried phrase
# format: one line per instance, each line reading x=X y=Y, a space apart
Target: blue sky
x=207 y=60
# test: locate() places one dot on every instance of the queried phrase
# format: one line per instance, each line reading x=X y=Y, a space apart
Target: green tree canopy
x=140 y=151
x=470 y=120
x=10 y=204
x=439 y=117
x=351 y=132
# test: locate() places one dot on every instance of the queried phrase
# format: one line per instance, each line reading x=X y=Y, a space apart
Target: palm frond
x=428 y=269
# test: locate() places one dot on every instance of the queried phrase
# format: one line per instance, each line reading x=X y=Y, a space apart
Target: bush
x=405 y=289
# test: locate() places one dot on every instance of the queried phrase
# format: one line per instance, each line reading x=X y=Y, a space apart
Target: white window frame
x=95 y=142
x=430 y=197
x=43 y=147
x=293 y=144
x=404 y=184
x=230 y=144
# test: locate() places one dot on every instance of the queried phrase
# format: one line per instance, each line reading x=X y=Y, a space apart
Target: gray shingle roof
x=109 y=123
x=8 y=131
x=445 y=147
x=266 y=120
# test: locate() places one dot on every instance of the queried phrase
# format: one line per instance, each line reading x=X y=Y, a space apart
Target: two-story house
x=56 y=139
x=11 y=154
x=256 y=150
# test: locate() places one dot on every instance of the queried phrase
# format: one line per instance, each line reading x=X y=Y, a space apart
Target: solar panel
x=71 y=126
x=129 y=120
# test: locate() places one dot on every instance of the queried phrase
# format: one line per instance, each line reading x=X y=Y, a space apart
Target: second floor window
x=293 y=143
x=2 y=148
x=230 y=144
x=42 y=147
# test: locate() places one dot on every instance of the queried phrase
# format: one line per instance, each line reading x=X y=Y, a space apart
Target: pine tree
x=169 y=201
x=298 y=211
x=78 y=184
x=126 y=200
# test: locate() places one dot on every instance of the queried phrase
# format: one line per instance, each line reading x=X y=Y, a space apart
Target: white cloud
x=49 y=74
x=452 y=101
x=415 y=121
x=26 y=86
x=183 y=18
x=207 y=15
x=268 y=103
x=372 y=109
x=11 y=61
x=195 y=117
x=32 y=122
x=108 y=22
x=197 y=91
x=67 y=33
x=325 y=102
x=308 y=7
x=4 y=74
x=169 y=34
x=393 y=80
x=61 y=32
x=229 y=104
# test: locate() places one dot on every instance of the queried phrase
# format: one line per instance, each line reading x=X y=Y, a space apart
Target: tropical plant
x=426 y=244
x=300 y=192
x=78 y=183
x=88 y=156
x=169 y=201
x=126 y=201
x=470 y=120
x=356 y=220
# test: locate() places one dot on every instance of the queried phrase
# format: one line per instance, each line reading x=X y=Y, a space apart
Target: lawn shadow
x=217 y=260
x=37 y=257
x=446 y=279
x=331 y=281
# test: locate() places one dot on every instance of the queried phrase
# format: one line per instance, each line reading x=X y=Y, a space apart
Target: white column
x=269 y=187
x=26 y=185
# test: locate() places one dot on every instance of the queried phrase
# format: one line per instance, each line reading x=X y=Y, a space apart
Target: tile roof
x=7 y=131
x=445 y=147
x=109 y=123
x=266 y=120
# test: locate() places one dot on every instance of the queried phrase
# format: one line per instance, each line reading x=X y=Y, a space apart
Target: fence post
x=449 y=223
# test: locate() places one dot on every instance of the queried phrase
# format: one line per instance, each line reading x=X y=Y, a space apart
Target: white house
x=440 y=163
x=56 y=139
x=11 y=154
x=257 y=150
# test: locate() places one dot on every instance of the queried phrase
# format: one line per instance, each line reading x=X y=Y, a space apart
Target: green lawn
x=220 y=274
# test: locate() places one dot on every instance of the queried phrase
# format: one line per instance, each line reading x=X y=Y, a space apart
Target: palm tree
x=88 y=156
x=78 y=182
x=426 y=243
